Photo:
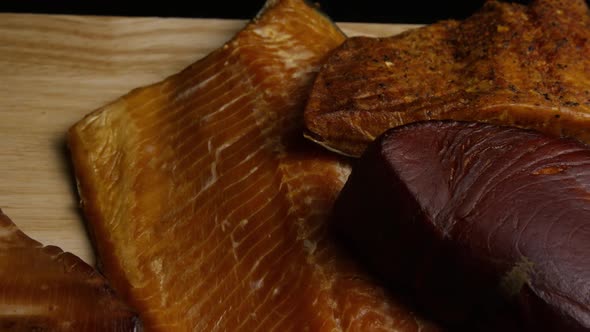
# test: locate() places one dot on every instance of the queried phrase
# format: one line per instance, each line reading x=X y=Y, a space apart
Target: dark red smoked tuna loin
x=476 y=222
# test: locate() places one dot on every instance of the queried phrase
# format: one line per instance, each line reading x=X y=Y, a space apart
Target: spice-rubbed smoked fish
x=206 y=204
x=524 y=66
x=43 y=288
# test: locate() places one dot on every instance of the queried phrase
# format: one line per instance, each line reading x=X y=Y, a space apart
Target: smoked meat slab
x=207 y=206
x=43 y=288
x=480 y=222
x=508 y=64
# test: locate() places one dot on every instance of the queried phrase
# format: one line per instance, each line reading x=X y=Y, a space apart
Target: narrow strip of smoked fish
x=206 y=205
x=46 y=289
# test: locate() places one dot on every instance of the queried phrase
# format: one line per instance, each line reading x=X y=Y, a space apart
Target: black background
x=392 y=11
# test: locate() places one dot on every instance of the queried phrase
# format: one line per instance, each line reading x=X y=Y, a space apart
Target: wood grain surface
x=54 y=70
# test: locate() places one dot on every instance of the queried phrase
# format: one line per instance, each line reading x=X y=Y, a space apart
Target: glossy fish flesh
x=43 y=288
x=208 y=207
x=508 y=64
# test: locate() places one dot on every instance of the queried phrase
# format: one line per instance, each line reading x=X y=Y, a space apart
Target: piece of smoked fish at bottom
x=207 y=206
x=43 y=288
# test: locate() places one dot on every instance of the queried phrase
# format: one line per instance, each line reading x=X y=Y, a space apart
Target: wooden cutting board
x=54 y=70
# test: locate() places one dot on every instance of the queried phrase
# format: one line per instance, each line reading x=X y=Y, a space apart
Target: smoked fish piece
x=43 y=288
x=208 y=207
x=477 y=222
x=508 y=64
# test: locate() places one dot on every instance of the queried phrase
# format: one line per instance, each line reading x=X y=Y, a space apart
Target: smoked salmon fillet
x=207 y=206
x=508 y=64
x=43 y=288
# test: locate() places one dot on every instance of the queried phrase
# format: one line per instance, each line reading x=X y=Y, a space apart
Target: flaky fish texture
x=524 y=66
x=208 y=207
x=43 y=288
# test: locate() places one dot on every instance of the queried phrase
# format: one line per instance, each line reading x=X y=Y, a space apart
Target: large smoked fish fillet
x=207 y=206
x=524 y=66
x=43 y=288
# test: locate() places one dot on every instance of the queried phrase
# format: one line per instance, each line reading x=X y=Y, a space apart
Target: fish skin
x=206 y=205
x=508 y=64
x=43 y=288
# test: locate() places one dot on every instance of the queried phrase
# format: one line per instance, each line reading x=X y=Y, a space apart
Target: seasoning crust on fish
x=523 y=66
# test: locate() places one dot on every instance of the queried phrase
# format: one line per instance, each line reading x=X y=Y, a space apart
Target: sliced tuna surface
x=476 y=222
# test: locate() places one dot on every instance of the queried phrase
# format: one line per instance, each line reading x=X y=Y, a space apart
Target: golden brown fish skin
x=43 y=288
x=208 y=207
x=525 y=66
